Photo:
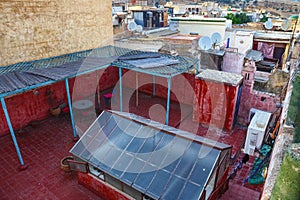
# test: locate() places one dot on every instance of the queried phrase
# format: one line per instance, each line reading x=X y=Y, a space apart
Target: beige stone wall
x=35 y=29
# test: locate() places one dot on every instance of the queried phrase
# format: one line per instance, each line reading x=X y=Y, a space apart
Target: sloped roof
x=155 y=159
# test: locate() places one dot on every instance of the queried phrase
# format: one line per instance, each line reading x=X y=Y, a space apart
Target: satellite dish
x=285 y=25
x=131 y=26
x=268 y=25
x=139 y=28
x=216 y=38
x=205 y=43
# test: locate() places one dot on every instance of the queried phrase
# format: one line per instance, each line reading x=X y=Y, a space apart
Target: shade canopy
x=24 y=76
x=157 y=160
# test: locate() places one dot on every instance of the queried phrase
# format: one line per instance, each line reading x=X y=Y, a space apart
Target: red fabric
x=266 y=48
x=108 y=95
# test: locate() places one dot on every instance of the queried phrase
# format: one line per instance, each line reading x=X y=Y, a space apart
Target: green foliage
x=239 y=18
x=294 y=108
x=264 y=19
x=288 y=180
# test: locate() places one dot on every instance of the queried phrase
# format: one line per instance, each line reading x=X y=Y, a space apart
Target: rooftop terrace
x=44 y=144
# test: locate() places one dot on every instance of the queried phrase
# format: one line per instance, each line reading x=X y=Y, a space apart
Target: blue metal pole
x=168 y=101
x=70 y=107
x=153 y=86
x=121 y=89
x=12 y=131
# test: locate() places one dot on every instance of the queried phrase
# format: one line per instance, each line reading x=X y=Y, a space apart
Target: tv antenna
x=216 y=38
x=205 y=43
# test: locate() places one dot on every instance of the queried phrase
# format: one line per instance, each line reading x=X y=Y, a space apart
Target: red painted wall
x=215 y=104
x=26 y=107
x=182 y=86
x=255 y=99
x=101 y=188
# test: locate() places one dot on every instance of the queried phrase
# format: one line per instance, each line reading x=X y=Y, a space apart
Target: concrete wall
x=242 y=40
x=215 y=104
x=251 y=98
x=35 y=29
x=29 y=106
x=104 y=190
x=202 y=26
x=233 y=62
x=182 y=86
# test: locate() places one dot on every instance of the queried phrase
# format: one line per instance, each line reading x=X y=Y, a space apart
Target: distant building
x=151 y=17
x=201 y=25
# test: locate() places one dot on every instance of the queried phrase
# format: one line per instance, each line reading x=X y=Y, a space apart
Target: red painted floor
x=42 y=148
x=236 y=192
x=44 y=145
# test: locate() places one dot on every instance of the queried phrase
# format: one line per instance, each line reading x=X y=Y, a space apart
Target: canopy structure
x=21 y=77
x=152 y=159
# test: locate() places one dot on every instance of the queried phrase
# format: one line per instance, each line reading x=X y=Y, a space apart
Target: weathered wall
x=255 y=99
x=241 y=40
x=35 y=29
x=182 y=86
x=251 y=98
x=233 y=62
x=104 y=190
x=27 y=107
x=215 y=104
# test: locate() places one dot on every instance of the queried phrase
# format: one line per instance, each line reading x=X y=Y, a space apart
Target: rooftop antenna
x=216 y=38
x=205 y=43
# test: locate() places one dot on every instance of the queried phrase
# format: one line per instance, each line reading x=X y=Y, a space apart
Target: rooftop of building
x=44 y=143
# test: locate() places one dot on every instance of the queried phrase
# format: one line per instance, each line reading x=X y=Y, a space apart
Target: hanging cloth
x=266 y=49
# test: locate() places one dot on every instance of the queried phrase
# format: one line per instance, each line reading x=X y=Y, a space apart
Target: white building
x=201 y=25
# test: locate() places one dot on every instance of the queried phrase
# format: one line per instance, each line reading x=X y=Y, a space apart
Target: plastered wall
x=35 y=29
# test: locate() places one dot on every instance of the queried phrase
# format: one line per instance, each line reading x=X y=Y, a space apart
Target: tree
x=239 y=18
x=264 y=18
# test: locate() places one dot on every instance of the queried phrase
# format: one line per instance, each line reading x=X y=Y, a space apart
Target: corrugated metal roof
x=60 y=67
x=255 y=55
x=272 y=36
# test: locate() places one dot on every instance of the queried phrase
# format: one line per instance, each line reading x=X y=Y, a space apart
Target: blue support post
x=70 y=107
x=23 y=166
x=168 y=101
x=121 y=89
x=153 y=86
